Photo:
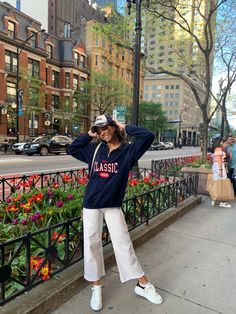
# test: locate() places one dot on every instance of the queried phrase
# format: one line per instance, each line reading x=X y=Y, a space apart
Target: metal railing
x=23 y=184
x=35 y=257
x=172 y=164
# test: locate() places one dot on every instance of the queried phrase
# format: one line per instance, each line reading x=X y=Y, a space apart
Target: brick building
x=50 y=73
x=67 y=18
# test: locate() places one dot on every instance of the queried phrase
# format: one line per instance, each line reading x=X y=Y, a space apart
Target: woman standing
x=103 y=199
x=218 y=167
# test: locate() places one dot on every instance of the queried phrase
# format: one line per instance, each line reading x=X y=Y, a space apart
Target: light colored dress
x=215 y=167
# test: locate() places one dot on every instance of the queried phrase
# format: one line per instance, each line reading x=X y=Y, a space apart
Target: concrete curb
x=53 y=293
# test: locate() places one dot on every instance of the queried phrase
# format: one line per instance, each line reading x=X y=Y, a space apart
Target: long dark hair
x=216 y=143
x=120 y=135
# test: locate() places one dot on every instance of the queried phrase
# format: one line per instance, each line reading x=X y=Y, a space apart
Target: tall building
x=67 y=18
x=50 y=73
x=106 y=55
x=168 y=46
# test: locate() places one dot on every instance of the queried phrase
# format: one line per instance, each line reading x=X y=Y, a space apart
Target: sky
x=34 y=8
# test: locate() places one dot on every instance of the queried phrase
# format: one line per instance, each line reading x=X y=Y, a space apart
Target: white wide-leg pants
x=127 y=262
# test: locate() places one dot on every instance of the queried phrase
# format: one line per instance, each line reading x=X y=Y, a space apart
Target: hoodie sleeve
x=81 y=148
x=143 y=140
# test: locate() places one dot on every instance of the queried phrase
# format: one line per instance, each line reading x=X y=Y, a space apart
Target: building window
x=110 y=49
x=146 y=87
x=11 y=61
x=46 y=102
x=67 y=104
x=154 y=87
x=33 y=40
x=82 y=83
x=75 y=82
x=96 y=60
x=55 y=102
x=76 y=57
x=97 y=41
x=75 y=105
x=46 y=73
x=55 y=79
x=49 y=51
x=67 y=80
x=33 y=68
x=177 y=86
x=172 y=87
x=11 y=91
x=123 y=55
x=167 y=86
x=103 y=43
x=83 y=108
x=145 y=96
x=11 y=29
x=82 y=61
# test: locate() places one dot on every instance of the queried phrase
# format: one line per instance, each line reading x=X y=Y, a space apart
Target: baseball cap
x=101 y=121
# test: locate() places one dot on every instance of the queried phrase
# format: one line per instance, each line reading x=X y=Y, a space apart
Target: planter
x=202 y=177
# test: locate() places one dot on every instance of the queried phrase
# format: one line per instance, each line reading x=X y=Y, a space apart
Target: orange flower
x=12 y=208
x=16 y=199
x=26 y=207
x=56 y=185
x=66 y=178
x=38 y=197
x=26 y=184
x=59 y=238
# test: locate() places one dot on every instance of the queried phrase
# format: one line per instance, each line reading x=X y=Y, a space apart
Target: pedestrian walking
x=5 y=145
x=218 y=167
x=231 y=150
x=109 y=166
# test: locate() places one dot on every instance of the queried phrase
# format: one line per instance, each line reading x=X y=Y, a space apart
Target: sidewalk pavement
x=192 y=263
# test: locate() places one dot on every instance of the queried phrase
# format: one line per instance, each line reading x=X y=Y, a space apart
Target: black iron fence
x=35 y=257
x=171 y=165
x=25 y=184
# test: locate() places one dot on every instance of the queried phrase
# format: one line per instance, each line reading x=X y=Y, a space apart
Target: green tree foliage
x=103 y=92
x=151 y=116
x=195 y=21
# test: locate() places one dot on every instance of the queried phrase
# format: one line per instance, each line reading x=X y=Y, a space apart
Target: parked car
x=157 y=146
x=44 y=145
x=18 y=148
x=169 y=145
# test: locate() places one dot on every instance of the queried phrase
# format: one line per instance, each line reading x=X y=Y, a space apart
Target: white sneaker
x=213 y=203
x=226 y=205
x=149 y=292
x=96 y=299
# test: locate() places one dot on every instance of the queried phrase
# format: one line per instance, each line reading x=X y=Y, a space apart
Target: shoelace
x=150 y=288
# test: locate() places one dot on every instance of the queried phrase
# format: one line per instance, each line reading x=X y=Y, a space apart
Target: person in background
x=5 y=146
x=218 y=167
x=231 y=150
x=227 y=157
x=109 y=171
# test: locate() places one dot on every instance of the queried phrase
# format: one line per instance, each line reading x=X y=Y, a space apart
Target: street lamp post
x=137 y=50
x=19 y=49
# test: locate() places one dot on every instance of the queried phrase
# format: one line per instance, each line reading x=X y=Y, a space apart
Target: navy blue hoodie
x=109 y=177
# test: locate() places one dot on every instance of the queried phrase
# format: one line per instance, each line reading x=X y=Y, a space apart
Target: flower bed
x=41 y=229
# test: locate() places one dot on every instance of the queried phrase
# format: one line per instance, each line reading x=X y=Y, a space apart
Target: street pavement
x=192 y=263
